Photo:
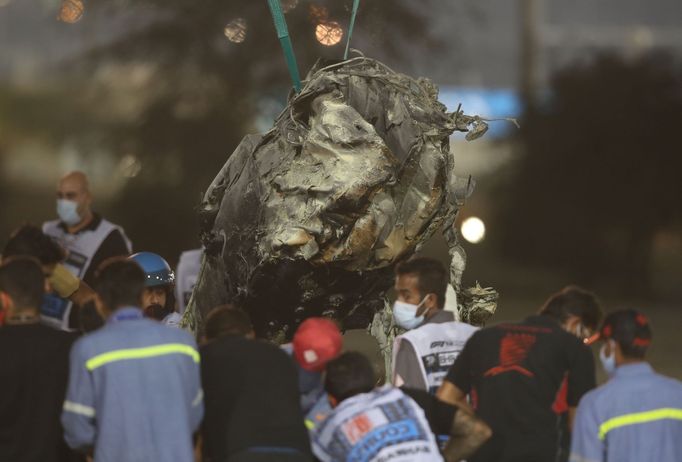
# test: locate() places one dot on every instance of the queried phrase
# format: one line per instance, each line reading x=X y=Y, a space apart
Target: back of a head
x=630 y=329
x=30 y=240
x=157 y=270
x=432 y=275
x=227 y=320
x=574 y=301
x=119 y=282
x=348 y=375
x=23 y=280
x=316 y=342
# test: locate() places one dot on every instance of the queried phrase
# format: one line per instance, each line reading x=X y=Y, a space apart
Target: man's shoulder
x=170 y=333
x=669 y=384
x=51 y=227
x=109 y=335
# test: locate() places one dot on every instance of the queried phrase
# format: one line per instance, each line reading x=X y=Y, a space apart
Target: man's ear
x=430 y=304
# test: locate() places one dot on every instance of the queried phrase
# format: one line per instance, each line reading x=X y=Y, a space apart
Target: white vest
x=437 y=345
x=382 y=425
x=186 y=276
x=81 y=248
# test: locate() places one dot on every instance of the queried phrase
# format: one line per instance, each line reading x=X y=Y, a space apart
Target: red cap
x=316 y=342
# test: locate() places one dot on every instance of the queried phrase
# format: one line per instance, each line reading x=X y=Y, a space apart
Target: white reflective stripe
x=578 y=458
x=81 y=409
x=200 y=397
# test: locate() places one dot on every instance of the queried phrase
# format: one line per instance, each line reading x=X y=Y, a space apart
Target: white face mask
x=68 y=212
x=405 y=314
x=608 y=362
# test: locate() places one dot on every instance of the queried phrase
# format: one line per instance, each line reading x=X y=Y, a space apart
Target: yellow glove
x=63 y=282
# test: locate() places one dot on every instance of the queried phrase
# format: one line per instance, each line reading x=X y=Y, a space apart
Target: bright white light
x=473 y=230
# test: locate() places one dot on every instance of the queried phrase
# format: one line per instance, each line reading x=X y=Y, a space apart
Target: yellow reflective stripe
x=309 y=424
x=637 y=418
x=139 y=353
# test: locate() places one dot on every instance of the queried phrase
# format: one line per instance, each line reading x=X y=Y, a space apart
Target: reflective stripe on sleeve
x=141 y=353
x=198 y=399
x=638 y=418
x=78 y=408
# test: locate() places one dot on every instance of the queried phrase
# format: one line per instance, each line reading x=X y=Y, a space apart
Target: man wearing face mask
x=514 y=372
x=158 y=301
x=88 y=238
x=637 y=414
x=423 y=355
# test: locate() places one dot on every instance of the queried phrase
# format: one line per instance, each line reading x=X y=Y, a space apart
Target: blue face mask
x=608 y=362
x=68 y=212
x=405 y=314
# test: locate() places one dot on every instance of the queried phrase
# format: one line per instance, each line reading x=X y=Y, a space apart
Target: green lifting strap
x=356 y=3
x=285 y=41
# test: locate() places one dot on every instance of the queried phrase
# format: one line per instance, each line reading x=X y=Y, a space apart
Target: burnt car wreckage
x=310 y=218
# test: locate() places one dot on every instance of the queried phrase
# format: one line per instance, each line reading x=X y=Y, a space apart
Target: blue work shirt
x=134 y=391
x=314 y=402
x=636 y=416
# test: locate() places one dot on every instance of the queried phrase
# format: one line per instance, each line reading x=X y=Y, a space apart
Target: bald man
x=89 y=239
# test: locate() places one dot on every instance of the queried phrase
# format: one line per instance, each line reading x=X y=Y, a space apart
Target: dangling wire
x=356 y=3
x=285 y=41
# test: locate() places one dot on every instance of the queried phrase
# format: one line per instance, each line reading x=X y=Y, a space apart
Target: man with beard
x=158 y=301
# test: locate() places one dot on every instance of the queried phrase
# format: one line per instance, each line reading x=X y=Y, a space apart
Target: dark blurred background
x=150 y=97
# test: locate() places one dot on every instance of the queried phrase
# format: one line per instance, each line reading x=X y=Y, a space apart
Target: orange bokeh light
x=328 y=33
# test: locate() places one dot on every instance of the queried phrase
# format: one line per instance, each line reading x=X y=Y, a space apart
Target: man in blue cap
x=158 y=301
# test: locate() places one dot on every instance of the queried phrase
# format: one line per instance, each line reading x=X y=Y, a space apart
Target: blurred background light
x=328 y=33
x=235 y=31
x=130 y=166
x=473 y=230
x=317 y=13
x=71 y=11
x=287 y=5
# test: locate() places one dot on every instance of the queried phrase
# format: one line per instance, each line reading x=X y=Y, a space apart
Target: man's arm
x=78 y=414
x=451 y=394
x=406 y=370
x=468 y=434
x=457 y=383
x=581 y=379
x=467 y=431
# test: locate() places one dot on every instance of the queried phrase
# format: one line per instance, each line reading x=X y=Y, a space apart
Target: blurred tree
x=600 y=171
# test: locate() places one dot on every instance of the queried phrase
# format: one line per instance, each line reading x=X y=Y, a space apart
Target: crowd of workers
x=96 y=366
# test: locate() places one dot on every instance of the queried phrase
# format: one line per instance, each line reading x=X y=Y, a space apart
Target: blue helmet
x=157 y=270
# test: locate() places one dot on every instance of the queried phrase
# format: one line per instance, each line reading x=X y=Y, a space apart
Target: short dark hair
x=431 y=276
x=227 y=320
x=574 y=301
x=348 y=375
x=630 y=329
x=23 y=280
x=119 y=282
x=30 y=240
